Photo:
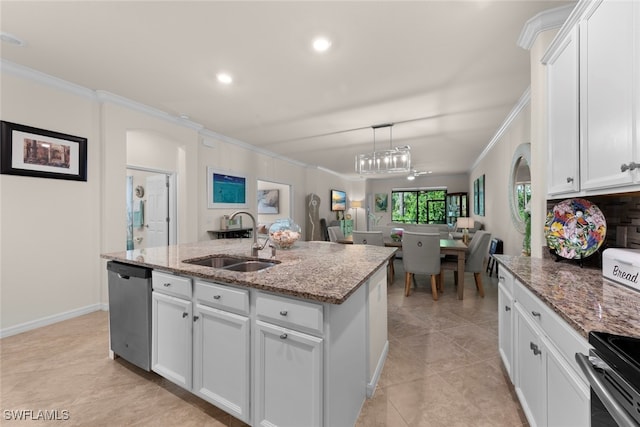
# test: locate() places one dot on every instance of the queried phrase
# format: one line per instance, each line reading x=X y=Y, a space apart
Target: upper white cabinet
x=563 y=124
x=609 y=93
x=593 y=94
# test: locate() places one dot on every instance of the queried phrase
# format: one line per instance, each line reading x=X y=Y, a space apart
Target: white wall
x=49 y=228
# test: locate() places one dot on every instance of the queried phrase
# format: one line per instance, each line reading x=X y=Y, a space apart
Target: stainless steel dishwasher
x=130 y=313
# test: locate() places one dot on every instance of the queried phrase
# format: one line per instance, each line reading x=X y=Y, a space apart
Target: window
x=523 y=190
x=419 y=206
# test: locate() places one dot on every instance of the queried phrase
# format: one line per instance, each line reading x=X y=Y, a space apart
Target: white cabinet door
x=221 y=359
x=563 y=124
x=530 y=369
x=288 y=377
x=171 y=338
x=505 y=328
x=608 y=94
x=568 y=402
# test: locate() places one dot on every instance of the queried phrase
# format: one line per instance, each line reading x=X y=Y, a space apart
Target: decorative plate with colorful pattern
x=575 y=229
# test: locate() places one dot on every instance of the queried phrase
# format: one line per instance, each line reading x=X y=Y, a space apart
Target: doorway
x=151 y=208
x=274 y=202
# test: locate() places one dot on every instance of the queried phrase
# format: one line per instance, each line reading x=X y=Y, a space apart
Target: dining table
x=453 y=247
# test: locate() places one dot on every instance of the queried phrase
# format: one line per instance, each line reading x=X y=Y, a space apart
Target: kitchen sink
x=248 y=266
x=233 y=263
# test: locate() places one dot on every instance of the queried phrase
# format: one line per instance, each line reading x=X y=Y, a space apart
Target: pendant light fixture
x=393 y=160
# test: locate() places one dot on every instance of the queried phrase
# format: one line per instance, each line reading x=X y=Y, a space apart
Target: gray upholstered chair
x=421 y=255
x=335 y=233
x=368 y=238
x=474 y=259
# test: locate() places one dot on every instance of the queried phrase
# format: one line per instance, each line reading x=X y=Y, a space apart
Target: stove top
x=621 y=353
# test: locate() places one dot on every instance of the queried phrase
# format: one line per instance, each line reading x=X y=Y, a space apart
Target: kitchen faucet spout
x=255 y=247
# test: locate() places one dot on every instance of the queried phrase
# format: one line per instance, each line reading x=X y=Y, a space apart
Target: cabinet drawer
x=505 y=278
x=289 y=312
x=567 y=341
x=171 y=284
x=223 y=297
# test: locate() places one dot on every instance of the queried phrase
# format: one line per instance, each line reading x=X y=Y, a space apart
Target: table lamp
x=465 y=223
x=355 y=204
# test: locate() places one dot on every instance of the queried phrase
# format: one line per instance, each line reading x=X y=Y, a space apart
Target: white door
x=157 y=214
x=288 y=377
x=221 y=360
x=171 y=338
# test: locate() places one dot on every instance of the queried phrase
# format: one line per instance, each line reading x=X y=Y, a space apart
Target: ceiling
x=447 y=73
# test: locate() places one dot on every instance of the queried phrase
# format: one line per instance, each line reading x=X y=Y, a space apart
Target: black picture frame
x=478 y=196
x=41 y=153
x=338 y=201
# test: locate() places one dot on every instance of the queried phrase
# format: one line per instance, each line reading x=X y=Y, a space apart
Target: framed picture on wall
x=30 y=151
x=226 y=190
x=478 y=196
x=268 y=201
x=381 y=202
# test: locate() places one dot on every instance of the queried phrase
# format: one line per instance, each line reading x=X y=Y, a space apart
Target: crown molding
x=543 y=21
x=576 y=15
x=524 y=100
x=18 y=70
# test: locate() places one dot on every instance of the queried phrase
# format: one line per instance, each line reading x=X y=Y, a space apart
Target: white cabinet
x=609 y=55
x=550 y=386
x=567 y=395
x=171 y=338
x=221 y=358
x=506 y=320
x=289 y=377
x=530 y=369
x=563 y=125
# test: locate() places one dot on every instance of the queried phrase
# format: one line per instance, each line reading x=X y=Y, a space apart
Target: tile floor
x=443 y=369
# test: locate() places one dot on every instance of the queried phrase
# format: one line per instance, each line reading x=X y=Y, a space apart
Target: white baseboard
x=50 y=320
x=371 y=387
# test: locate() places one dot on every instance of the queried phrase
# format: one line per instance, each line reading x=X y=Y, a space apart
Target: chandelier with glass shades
x=393 y=160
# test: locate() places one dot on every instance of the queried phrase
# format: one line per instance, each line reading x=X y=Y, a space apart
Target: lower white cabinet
x=530 y=369
x=548 y=382
x=505 y=320
x=289 y=377
x=221 y=359
x=171 y=338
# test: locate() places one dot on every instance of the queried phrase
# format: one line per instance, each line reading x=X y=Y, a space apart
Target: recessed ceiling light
x=321 y=44
x=224 y=78
x=11 y=39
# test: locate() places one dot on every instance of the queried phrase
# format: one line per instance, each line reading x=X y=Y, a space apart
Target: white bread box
x=622 y=266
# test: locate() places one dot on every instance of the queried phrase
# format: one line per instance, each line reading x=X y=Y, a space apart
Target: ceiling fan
x=415 y=173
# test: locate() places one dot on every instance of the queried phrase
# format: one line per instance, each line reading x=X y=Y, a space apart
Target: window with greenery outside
x=419 y=206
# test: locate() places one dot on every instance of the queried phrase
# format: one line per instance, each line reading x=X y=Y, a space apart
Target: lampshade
x=356 y=204
x=393 y=160
x=464 y=222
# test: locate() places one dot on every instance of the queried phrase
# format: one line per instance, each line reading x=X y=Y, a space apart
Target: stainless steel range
x=613 y=370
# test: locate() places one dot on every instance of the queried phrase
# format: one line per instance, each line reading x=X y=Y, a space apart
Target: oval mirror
x=519 y=190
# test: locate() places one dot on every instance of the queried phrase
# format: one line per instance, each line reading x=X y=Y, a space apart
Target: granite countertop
x=581 y=296
x=320 y=271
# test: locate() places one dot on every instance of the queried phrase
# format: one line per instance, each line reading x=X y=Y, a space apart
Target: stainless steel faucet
x=255 y=247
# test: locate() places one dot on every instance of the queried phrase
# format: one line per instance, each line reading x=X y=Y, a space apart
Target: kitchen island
x=302 y=342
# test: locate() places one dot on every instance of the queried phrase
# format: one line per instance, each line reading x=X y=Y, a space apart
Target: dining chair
x=335 y=233
x=474 y=260
x=368 y=238
x=421 y=255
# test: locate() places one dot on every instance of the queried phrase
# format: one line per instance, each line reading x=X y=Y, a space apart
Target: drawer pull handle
x=166 y=285
x=535 y=349
x=507 y=308
x=195 y=318
x=631 y=166
x=184 y=315
x=536 y=314
x=283 y=313
x=501 y=278
x=216 y=297
x=569 y=180
x=283 y=336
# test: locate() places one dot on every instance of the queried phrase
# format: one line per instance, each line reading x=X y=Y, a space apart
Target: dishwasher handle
x=617 y=412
